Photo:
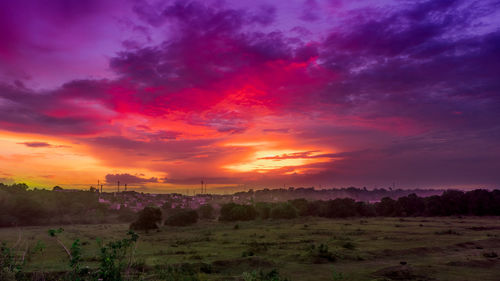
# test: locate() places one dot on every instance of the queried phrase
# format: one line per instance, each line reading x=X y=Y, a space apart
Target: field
x=437 y=248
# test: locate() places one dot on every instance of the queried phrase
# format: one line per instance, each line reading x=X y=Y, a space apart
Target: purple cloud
x=128 y=179
x=36 y=144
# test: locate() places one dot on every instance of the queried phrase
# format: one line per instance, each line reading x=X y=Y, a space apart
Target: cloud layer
x=322 y=92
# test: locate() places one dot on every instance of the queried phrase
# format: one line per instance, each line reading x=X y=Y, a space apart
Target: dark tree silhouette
x=148 y=219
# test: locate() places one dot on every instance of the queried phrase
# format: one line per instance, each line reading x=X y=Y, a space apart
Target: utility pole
x=118 y=186
x=125 y=187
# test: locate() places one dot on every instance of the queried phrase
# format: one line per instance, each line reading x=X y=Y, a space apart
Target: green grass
x=362 y=247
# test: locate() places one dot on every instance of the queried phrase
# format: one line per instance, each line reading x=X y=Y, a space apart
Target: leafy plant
x=75 y=260
x=13 y=259
x=116 y=256
x=337 y=276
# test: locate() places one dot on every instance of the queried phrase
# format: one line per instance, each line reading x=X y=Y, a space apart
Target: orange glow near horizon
x=50 y=161
x=262 y=165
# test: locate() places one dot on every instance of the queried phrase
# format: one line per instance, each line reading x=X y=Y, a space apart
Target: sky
x=250 y=94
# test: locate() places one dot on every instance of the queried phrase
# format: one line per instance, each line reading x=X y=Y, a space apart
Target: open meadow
x=436 y=248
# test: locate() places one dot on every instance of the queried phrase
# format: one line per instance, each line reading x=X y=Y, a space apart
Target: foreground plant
x=13 y=259
x=117 y=257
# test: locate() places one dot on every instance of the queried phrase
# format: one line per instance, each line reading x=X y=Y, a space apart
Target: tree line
x=22 y=206
x=474 y=203
x=477 y=202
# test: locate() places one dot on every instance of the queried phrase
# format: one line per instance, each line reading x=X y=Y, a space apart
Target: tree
x=263 y=209
x=234 y=212
x=206 y=211
x=387 y=207
x=182 y=218
x=301 y=205
x=411 y=205
x=148 y=219
x=283 y=211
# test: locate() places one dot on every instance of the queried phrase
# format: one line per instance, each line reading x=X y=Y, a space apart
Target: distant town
x=136 y=201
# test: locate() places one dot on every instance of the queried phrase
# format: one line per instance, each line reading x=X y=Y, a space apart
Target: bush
x=263 y=210
x=321 y=254
x=206 y=211
x=235 y=212
x=182 y=218
x=283 y=211
x=148 y=219
x=302 y=206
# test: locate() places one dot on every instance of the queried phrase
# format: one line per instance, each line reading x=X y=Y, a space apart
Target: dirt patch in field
x=402 y=272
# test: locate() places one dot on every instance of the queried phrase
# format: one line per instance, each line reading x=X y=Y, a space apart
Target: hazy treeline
x=358 y=194
x=21 y=206
x=477 y=203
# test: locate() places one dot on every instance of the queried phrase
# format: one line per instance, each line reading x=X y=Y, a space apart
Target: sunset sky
x=250 y=94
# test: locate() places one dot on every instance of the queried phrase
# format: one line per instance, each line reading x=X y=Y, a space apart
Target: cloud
x=129 y=179
x=206 y=180
x=310 y=11
x=36 y=144
x=415 y=83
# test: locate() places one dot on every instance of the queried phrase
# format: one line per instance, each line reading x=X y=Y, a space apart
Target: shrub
x=349 y=246
x=283 y=211
x=115 y=256
x=321 y=254
x=235 y=212
x=182 y=218
x=206 y=211
x=148 y=219
x=263 y=210
x=302 y=206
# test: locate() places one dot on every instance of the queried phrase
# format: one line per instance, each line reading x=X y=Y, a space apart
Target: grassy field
x=355 y=249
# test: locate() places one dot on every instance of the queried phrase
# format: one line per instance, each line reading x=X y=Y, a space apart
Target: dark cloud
x=128 y=179
x=55 y=112
x=303 y=155
x=36 y=144
x=194 y=181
